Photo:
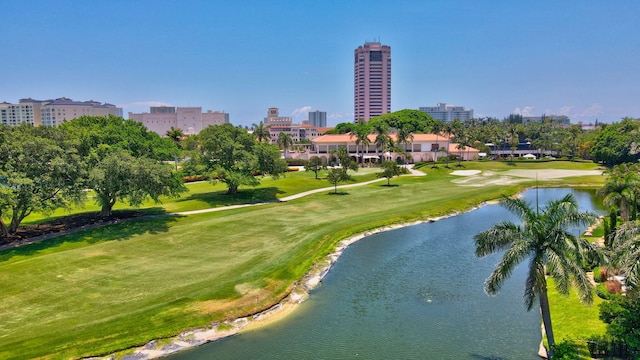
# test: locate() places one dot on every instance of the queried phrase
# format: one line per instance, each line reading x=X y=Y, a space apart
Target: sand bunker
x=478 y=178
x=466 y=172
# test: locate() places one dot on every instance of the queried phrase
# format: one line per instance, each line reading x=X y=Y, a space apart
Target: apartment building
x=52 y=112
x=191 y=120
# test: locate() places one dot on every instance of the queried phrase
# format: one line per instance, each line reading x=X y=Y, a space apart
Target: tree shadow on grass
x=390 y=185
x=338 y=193
x=154 y=222
x=244 y=196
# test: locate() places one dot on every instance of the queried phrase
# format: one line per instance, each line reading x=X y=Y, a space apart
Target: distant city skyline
x=577 y=59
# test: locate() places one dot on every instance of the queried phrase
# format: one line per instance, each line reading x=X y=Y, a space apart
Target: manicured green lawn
x=111 y=288
x=204 y=194
x=573 y=320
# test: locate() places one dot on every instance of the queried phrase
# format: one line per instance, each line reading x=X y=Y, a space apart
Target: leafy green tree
x=285 y=141
x=617 y=143
x=269 y=161
x=336 y=176
x=229 y=153
x=389 y=170
x=39 y=172
x=345 y=160
x=414 y=121
x=545 y=241
x=622 y=315
x=316 y=164
x=88 y=132
x=120 y=176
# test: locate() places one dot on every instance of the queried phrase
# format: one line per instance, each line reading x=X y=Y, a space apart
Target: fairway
x=112 y=288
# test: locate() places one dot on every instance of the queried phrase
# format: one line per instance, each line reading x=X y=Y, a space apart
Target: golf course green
x=111 y=288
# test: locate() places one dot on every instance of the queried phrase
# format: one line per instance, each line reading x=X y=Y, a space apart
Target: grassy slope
x=115 y=287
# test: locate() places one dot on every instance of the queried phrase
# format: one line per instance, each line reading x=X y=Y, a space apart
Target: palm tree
x=175 y=135
x=405 y=135
x=285 y=141
x=261 y=132
x=626 y=255
x=621 y=189
x=382 y=140
x=543 y=239
x=437 y=127
x=361 y=132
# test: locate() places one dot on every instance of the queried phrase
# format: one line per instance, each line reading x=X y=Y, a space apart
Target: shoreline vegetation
x=318 y=253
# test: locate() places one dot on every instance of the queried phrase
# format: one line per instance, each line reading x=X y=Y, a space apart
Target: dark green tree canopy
x=89 y=132
x=39 y=171
x=234 y=155
x=617 y=143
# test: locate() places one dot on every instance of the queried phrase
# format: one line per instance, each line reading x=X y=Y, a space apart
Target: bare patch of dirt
x=64 y=224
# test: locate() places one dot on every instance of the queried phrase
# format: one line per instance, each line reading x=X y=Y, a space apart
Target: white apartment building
x=191 y=120
x=448 y=112
x=52 y=112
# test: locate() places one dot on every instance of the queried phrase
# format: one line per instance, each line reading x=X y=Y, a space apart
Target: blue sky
x=578 y=58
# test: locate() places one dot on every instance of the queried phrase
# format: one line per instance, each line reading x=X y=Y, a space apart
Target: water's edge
x=299 y=293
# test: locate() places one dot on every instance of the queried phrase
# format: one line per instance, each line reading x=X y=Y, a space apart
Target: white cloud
x=301 y=111
x=566 y=110
x=594 y=110
x=340 y=116
x=525 y=111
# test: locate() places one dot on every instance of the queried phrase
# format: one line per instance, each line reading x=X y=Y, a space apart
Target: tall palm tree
x=437 y=127
x=544 y=240
x=621 y=189
x=261 y=132
x=175 y=135
x=285 y=141
x=361 y=132
x=382 y=140
x=405 y=135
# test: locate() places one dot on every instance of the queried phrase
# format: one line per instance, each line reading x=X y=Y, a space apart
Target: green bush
x=566 y=350
x=296 y=162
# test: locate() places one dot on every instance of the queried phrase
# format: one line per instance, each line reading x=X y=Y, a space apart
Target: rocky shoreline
x=219 y=330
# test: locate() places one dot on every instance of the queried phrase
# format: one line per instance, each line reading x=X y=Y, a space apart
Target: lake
x=410 y=293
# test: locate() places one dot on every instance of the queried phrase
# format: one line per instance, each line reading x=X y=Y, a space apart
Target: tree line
x=47 y=168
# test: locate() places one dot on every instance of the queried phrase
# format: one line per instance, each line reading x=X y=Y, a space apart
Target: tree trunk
x=3 y=229
x=546 y=319
x=106 y=210
x=232 y=190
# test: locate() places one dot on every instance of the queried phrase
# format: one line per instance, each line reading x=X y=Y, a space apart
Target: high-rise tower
x=372 y=81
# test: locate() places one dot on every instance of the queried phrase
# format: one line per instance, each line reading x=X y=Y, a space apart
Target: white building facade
x=191 y=120
x=52 y=112
x=448 y=112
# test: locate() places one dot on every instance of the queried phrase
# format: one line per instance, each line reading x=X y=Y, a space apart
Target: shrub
x=600 y=274
x=296 y=162
x=566 y=350
x=193 y=178
x=601 y=291
x=613 y=287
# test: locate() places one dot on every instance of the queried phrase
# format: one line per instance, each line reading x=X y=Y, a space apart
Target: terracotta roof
x=453 y=149
x=346 y=138
x=325 y=129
